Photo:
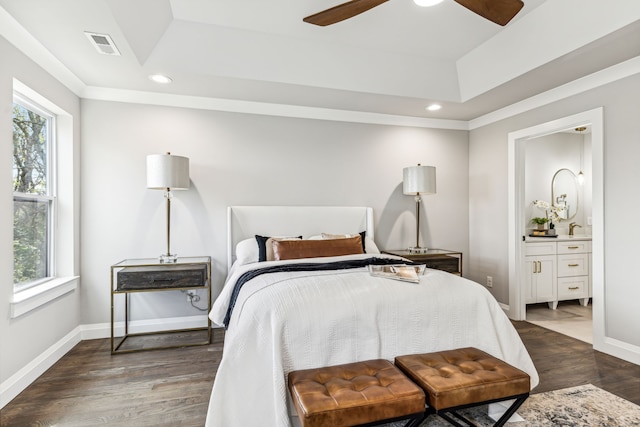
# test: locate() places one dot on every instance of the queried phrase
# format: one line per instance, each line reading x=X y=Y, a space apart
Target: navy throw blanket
x=307 y=266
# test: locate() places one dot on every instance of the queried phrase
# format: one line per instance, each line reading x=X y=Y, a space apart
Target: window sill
x=32 y=298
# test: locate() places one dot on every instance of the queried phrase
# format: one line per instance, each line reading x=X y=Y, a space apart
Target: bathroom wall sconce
x=580 y=176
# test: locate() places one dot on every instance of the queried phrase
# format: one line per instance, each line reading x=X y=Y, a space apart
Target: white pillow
x=247 y=251
x=370 y=246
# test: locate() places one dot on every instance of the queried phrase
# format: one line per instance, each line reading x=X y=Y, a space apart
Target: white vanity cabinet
x=540 y=273
x=557 y=271
x=574 y=271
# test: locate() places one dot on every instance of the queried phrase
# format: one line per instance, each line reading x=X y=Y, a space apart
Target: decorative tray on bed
x=405 y=273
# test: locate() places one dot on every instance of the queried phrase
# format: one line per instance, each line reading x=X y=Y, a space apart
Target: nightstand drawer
x=444 y=262
x=165 y=277
x=437 y=259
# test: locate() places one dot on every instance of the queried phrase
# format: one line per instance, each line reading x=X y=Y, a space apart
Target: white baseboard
x=505 y=308
x=19 y=381
x=619 y=349
x=15 y=384
x=95 y=331
x=103 y=330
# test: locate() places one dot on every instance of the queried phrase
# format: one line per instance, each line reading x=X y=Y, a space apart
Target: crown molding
x=262 y=108
x=600 y=78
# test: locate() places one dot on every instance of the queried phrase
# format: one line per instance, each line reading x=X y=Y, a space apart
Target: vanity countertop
x=560 y=238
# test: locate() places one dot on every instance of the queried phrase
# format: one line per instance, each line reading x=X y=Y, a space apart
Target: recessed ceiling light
x=434 y=107
x=159 y=78
x=427 y=3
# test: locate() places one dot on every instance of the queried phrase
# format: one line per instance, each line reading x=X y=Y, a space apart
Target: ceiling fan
x=498 y=11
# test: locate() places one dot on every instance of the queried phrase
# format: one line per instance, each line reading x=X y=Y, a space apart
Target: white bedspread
x=289 y=321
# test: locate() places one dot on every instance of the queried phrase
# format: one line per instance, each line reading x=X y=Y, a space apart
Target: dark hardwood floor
x=563 y=361
x=90 y=387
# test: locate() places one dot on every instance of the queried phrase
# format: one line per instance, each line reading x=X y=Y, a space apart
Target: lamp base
x=168 y=258
x=418 y=250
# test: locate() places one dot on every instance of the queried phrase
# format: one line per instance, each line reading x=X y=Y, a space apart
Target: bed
x=301 y=313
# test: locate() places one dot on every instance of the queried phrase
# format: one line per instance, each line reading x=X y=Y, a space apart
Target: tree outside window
x=33 y=194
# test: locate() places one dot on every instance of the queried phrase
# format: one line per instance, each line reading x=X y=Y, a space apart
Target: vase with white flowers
x=552 y=213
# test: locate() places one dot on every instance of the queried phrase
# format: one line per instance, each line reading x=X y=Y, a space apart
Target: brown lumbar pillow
x=295 y=249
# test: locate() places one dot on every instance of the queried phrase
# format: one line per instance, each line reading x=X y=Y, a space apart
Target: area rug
x=582 y=406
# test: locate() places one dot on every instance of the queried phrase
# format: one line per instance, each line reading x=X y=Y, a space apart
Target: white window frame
x=65 y=252
x=50 y=197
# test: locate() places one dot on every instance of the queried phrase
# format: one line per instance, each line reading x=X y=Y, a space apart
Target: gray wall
x=26 y=337
x=488 y=199
x=244 y=159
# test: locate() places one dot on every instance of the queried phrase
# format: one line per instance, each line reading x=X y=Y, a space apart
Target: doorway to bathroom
x=544 y=163
x=557 y=184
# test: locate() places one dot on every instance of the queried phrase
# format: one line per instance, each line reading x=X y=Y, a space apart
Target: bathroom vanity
x=557 y=269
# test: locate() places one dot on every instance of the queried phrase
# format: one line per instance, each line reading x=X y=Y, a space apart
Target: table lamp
x=418 y=180
x=167 y=172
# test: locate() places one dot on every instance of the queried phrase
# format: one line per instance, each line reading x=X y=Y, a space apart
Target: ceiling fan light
x=427 y=3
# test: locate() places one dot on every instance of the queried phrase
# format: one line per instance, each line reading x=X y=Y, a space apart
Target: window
x=34 y=193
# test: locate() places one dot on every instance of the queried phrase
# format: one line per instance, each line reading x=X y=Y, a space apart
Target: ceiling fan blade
x=342 y=11
x=498 y=11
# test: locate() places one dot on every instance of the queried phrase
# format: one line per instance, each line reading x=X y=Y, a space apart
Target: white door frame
x=517 y=139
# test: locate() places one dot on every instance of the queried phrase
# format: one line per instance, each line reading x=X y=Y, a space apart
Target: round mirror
x=564 y=193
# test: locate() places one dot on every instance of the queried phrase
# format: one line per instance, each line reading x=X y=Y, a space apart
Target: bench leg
x=416 y=421
x=512 y=410
x=444 y=413
x=453 y=422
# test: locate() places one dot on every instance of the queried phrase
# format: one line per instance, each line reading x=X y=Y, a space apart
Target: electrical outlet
x=489 y=282
x=191 y=295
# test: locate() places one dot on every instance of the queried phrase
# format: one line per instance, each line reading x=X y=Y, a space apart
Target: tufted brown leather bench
x=463 y=378
x=361 y=393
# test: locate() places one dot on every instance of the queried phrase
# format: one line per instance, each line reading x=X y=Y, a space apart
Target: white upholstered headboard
x=245 y=222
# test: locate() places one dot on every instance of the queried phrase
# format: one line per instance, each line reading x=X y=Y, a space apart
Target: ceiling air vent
x=103 y=43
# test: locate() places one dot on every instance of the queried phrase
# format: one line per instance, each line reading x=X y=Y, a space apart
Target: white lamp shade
x=167 y=171
x=419 y=180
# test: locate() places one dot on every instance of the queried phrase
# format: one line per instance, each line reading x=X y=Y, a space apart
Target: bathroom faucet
x=571 y=227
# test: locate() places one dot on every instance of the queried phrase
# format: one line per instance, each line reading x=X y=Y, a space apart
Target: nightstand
x=439 y=259
x=142 y=276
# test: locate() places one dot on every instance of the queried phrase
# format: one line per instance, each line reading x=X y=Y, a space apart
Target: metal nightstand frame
x=152 y=262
